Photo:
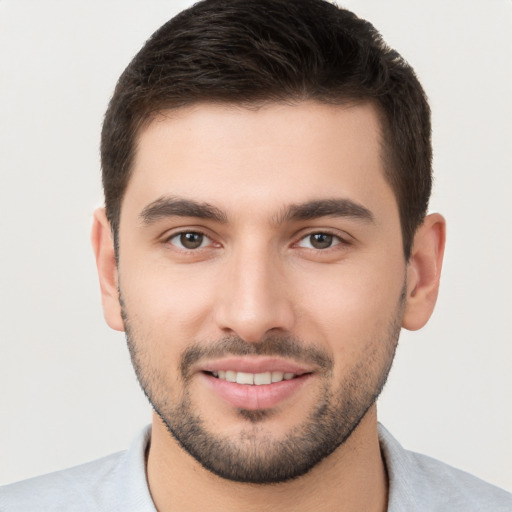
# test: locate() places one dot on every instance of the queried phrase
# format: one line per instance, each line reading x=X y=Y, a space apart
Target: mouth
x=253 y=379
x=255 y=384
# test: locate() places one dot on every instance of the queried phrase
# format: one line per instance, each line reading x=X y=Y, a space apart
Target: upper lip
x=249 y=364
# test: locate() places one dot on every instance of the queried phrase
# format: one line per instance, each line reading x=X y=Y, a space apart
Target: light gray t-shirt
x=118 y=483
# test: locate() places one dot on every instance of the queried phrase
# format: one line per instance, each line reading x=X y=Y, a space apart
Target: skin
x=258 y=274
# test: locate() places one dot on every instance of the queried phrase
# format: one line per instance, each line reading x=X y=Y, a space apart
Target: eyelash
x=190 y=232
x=336 y=240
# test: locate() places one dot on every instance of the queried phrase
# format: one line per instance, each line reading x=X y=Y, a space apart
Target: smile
x=254 y=390
x=253 y=379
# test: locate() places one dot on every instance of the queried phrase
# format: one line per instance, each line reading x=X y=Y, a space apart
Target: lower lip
x=252 y=397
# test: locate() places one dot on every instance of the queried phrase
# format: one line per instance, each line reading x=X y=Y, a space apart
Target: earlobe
x=424 y=272
x=106 y=264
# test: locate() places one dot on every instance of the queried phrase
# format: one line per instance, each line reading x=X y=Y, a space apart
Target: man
x=266 y=168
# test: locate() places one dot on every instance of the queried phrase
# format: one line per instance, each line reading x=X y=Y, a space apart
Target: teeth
x=262 y=378
x=231 y=376
x=244 y=378
x=257 y=379
x=277 y=376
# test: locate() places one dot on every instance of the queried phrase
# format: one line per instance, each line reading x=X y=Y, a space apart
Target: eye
x=189 y=240
x=319 y=241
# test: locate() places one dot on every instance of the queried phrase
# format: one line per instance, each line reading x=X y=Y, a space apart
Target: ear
x=103 y=246
x=424 y=271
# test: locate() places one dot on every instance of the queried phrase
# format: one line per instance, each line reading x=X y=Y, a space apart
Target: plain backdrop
x=67 y=390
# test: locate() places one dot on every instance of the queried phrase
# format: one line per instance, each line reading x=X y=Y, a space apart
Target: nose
x=253 y=298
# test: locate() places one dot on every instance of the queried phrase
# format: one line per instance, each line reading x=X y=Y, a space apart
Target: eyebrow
x=169 y=206
x=326 y=208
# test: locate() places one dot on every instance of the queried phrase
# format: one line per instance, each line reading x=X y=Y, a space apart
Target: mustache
x=285 y=346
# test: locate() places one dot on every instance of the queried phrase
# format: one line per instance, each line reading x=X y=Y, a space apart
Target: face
x=262 y=279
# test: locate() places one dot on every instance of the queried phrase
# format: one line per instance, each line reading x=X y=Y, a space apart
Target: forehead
x=250 y=158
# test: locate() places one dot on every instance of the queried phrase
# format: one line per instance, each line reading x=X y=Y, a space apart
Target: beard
x=255 y=456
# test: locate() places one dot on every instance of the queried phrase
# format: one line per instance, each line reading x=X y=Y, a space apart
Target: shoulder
x=418 y=482
x=74 y=489
x=115 y=482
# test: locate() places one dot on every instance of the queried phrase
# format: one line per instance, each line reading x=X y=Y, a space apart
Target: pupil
x=321 y=240
x=191 y=240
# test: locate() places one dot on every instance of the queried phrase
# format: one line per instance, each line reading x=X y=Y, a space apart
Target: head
x=266 y=168
x=247 y=53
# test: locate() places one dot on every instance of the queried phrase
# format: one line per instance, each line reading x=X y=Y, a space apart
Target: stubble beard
x=255 y=457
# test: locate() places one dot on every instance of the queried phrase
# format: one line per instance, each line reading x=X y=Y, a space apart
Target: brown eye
x=189 y=240
x=319 y=241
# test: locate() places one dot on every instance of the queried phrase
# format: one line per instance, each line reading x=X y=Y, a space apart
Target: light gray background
x=67 y=392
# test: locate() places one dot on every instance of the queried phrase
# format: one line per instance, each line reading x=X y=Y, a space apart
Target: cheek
x=166 y=306
x=352 y=307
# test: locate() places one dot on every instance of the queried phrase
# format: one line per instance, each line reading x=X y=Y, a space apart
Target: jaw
x=173 y=475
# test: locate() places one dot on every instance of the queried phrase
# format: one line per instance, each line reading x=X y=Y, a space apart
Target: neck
x=352 y=478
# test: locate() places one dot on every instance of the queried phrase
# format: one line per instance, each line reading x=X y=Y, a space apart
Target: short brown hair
x=246 y=52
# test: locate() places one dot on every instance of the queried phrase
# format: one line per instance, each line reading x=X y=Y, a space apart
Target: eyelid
x=343 y=238
x=181 y=231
